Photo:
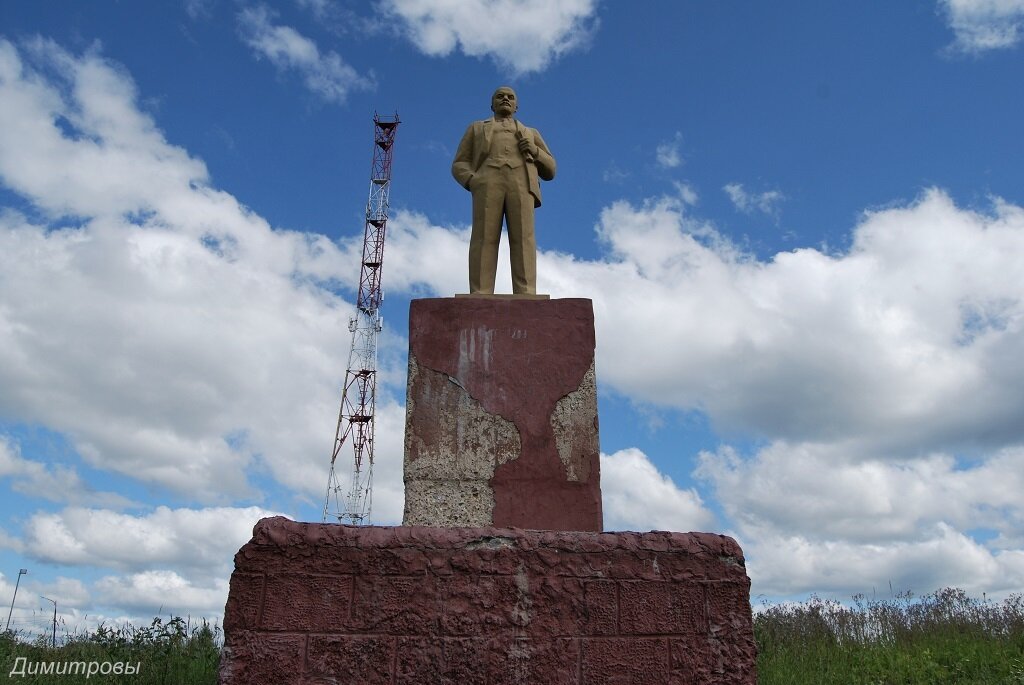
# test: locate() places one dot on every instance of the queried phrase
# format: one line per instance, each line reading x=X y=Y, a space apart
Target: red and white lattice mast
x=359 y=393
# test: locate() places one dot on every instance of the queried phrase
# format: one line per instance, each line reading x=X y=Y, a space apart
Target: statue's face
x=503 y=102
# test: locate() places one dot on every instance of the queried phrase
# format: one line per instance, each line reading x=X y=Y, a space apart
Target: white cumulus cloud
x=942 y=557
x=153 y=320
x=748 y=202
x=520 y=35
x=878 y=345
x=636 y=496
x=324 y=73
x=815 y=518
x=981 y=25
x=173 y=561
x=200 y=540
x=162 y=593
x=54 y=482
x=667 y=152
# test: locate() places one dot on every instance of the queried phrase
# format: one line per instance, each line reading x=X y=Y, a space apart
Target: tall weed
x=173 y=653
x=944 y=637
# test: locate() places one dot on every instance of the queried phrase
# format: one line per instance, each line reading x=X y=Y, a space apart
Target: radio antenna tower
x=359 y=393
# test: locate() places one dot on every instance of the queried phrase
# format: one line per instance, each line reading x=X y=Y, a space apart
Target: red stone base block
x=313 y=604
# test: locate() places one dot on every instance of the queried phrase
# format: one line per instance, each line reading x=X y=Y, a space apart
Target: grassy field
x=946 y=637
x=171 y=653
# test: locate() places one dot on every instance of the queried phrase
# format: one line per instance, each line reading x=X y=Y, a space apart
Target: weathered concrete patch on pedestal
x=574 y=423
x=478 y=367
x=449 y=463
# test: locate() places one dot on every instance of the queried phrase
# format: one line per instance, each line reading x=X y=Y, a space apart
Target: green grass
x=171 y=653
x=945 y=637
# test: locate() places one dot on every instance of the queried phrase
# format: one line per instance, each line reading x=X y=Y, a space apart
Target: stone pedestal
x=501 y=414
x=314 y=604
x=501 y=436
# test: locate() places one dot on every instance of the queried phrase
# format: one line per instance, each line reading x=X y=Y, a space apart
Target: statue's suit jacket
x=476 y=143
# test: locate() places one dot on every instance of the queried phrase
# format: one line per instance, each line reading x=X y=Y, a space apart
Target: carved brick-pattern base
x=316 y=604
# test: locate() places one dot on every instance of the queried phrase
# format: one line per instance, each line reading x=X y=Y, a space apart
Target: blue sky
x=801 y=224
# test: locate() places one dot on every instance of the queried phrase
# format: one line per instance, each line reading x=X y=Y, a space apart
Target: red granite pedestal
x=313 y=604
x=501 y=414
x=501 y=575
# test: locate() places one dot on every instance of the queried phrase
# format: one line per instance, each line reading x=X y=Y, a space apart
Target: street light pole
x=54 y=620
x=21 y=572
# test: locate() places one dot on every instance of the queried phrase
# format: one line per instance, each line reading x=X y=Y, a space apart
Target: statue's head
x=504 y=102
